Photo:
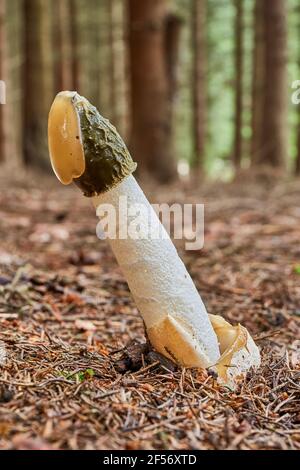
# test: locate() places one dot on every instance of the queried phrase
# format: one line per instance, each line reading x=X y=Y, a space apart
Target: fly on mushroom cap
x=85 y=147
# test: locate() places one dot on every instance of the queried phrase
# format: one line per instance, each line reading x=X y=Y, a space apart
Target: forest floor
x=66 y=316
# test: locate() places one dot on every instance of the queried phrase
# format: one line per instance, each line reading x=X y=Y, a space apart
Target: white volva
x=177 y=323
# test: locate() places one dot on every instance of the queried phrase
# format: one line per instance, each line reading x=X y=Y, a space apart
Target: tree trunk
x=199 y=84
x=297 y=163
x=62 y=33
x=151 y=140
x=112 y=63
x=94 y=67
x=257 y=83
x=238 y=138
x=275 y=84
x=3 y=123
x=75 y=67
x=37 y=81
x=117 y=62
x=172 y=42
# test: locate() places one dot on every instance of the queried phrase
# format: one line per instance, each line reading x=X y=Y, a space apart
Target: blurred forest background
x=199 y=87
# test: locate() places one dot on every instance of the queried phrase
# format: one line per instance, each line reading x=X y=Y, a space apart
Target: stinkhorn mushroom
x=86 y=149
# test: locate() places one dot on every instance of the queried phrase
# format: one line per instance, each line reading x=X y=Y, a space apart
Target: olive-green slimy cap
x=85 y=147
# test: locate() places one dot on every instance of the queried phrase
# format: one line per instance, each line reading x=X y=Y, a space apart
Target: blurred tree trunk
x=112 y=62
x=37 y=81
x=75 y=68
x=199 y=84
x=172 y=43
x=151 y=140
x=122 y=69
x=3 y=123
x=239 y=53
x=274 y=122
x=14 y=83
x=257 y=83
x=118 y=65
x=297 y=165
x=97 y=14
x=95 y=58
x=172 y=46
x=62 y=36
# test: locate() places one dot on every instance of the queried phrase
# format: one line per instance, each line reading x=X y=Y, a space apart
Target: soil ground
x=66 y=318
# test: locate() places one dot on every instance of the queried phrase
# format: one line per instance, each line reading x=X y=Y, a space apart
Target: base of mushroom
x=239 y=352
x=175 y=340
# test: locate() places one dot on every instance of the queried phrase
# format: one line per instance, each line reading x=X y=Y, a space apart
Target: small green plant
x=77 y=377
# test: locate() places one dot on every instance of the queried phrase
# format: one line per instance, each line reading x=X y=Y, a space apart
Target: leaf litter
x=76 y=372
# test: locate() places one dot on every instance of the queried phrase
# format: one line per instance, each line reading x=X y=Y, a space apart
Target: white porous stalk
x=177 y=323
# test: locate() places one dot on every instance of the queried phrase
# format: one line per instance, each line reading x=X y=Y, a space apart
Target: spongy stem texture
x=176 y=319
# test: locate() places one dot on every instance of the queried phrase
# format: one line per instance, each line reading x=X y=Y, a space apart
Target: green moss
x=107 y=158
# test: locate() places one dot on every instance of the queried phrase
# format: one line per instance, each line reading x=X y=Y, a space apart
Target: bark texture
x=199 y=83
x=258 y=78
x=238 y=138
x=297 y=163
x=151 y=139
x=63 y=52
x=274 y=122
x=38 y=83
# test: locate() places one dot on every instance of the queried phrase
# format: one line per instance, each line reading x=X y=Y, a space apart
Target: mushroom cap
x=85 y=147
